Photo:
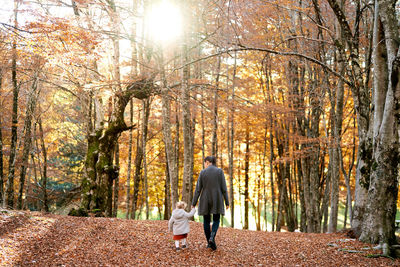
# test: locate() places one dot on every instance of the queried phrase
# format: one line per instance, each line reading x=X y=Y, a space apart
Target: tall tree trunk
x=9 y=196
x=258 y=207
x=270 y=126
x=167 y=193
x=303 y=216
x=337 y=117
x=203 y=132
x=281 y=188
x=135 y=71
x=192 y=145
x=334 y=190
x=177 y=146
x=346 y=207
x=311 y=182
x=325 y=199
x=361 y=99
x=128 y=175
x=280 y=178
x=289 y=211
x=138 y=171
x=1 y=145
x=231 y=138
x=214 y=140
x=90 y=180
x=145 y=125
x=347 y=175
x=45 y=205
x=28 y=195
x=379 y=222
x=166 y=128
x=271 y=177
x=36 y=182
x=187 y=130
x=116 y=183
x=246 y=179
x=27 y=138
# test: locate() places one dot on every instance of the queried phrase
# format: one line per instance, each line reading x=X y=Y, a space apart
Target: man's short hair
x=211 y=159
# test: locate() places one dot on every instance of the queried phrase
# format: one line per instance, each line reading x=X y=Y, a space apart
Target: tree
x=9 y=196
x=128 y=175
x=1 y=147
x=103 y=142
x=378 y=225
x=32 y=99
x=362 y=102
x=187 y=180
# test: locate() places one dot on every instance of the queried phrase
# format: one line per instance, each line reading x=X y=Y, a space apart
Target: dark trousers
x=206 y=224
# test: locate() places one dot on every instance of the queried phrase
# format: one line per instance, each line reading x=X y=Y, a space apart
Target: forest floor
x=37 y=239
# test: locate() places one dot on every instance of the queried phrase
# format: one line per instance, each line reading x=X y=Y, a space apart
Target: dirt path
x=50 y=240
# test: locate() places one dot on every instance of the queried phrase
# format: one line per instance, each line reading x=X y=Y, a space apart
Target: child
x=179 y=224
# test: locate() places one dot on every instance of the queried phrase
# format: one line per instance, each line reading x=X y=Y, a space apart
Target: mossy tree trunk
x=100 y=170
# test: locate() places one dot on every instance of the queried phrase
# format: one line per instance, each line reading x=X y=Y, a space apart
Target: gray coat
x=211 y=188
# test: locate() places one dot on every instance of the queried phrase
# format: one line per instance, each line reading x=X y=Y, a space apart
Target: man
x=211 y=188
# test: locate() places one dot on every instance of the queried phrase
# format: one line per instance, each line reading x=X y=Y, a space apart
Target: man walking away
x=211 y=188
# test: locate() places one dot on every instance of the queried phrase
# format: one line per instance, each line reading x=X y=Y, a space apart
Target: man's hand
x=227 y=207
x=193 y=207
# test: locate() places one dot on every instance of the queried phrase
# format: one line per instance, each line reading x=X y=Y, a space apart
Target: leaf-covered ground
x=35 y=239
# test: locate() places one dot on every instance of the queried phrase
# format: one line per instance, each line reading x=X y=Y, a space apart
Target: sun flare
x=165 y=22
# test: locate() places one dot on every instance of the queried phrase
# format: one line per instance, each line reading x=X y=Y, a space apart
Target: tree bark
x=1 y=146
x=145 y=125
x=35 y=205
x=214 y=140
x=336 y=99
x=303 y=216
x=32 y=98
x=138 y=171
x=361 y=99
x=45 y=204
x=289 y=207
x=166 y=128
x=187 y=130
x=246 y=179
x=326 y=198
x=347 y=176
x=167 y=193
x=128 y=175
x=231 y=138
x=116 y=183
x=28 y=195
x=203 y=133
x=378 y=225
x=9 y=196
